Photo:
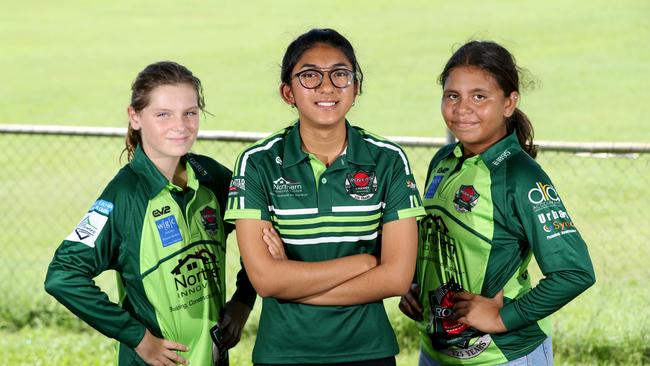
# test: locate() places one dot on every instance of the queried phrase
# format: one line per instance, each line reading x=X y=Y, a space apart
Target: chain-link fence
x=51 y=178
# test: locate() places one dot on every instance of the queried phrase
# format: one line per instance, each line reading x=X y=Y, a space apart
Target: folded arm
x=290 y=279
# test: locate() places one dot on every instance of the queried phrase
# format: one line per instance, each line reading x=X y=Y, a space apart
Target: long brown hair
x=153 y=76
x=500 y=63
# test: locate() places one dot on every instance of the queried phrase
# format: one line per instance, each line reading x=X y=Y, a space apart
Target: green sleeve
x=556 y=243
x=83 y=255
x=402 y=196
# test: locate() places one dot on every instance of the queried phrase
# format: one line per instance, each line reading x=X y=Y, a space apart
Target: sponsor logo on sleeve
x=361 y=185
x=410 y=184
x=103 y=207
x=168 y=231
x=237 y=186
x=433 y=187
x=543 y=196
x=466 y=198
x=88 y=229
x=556 y=223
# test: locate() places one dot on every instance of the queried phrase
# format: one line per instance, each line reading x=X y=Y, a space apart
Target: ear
x=134 y=118
x=287 y=94
x=510 y=104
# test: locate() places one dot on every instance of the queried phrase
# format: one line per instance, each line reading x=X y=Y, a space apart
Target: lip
x=463 y=125
x=179 y=140
x=326 y=104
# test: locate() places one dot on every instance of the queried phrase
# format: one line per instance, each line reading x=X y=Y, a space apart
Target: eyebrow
x=471 y=91
x=314 y=66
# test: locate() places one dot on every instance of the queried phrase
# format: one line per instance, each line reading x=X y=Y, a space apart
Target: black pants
x=388 y=361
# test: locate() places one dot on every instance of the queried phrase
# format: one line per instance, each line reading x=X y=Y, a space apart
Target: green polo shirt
x=323 y=213
x=168 y=247
x=486 y=216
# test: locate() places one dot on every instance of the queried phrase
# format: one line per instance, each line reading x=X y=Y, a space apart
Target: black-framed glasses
x=313 y=78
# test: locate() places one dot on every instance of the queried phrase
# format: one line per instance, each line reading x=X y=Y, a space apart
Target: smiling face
x=326 y=105
x=475 y=108
x=169 y=123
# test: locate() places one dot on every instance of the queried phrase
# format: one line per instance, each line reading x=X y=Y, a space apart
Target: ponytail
x=521 y=125
x=133 y=139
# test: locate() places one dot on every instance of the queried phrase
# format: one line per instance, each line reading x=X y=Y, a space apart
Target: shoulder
x=441 y=154
x=522 y=169
x=266 y=148
x=378 y=145
x=207 y=168
x=124 y=185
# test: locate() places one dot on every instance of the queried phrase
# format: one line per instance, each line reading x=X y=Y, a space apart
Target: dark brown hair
x=153 y=76
x=500 y=63
x=311 y=39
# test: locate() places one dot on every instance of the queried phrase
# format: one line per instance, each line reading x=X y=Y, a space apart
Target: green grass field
x=72 y=63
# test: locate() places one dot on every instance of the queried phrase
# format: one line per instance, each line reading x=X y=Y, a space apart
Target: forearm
x=378 y=283
x=290 y=280
x=82 y=297
x=245 y=292
x=550 y=294
x=392 y=277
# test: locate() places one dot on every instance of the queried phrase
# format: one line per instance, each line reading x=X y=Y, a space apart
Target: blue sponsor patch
x=101 y=206
x=168 y=230
x=433 y=187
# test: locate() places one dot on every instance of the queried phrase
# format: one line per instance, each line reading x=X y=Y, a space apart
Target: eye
x=162 y=114
x=191 y=113
x=341 y=73
x=309 y=74
x=451 y=96
x=479 y=97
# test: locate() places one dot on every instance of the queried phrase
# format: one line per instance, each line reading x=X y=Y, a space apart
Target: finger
x=174 y=358
x=463 y=320
x=498 y=298
x=462 y=305
x=460 y=313
x=225 y=321
x=464 y=295
x=405 y=307
x=175 y=346
x=413 y=302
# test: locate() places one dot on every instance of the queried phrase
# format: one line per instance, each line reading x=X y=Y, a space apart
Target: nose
x=179 y=123
x=326 y=85
x=463 y=106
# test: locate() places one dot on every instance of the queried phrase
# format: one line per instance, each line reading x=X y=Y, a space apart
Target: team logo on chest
x=466 y=198
x=209 y=220
x=361 y=185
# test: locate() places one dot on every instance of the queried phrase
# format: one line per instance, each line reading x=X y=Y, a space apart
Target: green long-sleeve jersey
x=486 y=216
x=168 y=247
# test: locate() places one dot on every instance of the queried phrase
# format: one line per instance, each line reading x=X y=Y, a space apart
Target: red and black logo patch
x=361 y=185
x=466 y=198
x=209 y=220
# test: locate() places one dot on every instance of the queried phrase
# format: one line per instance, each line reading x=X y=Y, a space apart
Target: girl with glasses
x=326 y=218
x=159 y=225
x=490 y=208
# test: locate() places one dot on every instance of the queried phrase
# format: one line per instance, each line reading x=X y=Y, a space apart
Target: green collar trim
x=155 y=181
x=501 y=151
x=356 y=152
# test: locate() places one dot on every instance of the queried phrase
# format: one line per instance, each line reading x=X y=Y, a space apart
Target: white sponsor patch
x=88 y=229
